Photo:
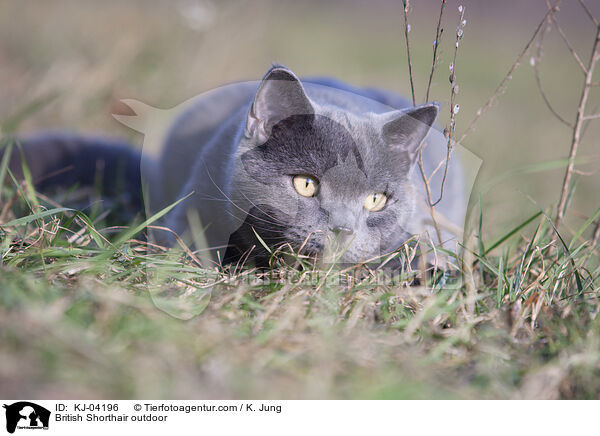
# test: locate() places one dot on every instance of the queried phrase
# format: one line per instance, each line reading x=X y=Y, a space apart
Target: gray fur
x=238 y=147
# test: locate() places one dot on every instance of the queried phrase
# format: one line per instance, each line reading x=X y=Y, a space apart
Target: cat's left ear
x=279 y=96
x=407 y=129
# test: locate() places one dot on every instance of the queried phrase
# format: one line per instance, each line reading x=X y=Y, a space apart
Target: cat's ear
x=279 y=96
x=407 y=129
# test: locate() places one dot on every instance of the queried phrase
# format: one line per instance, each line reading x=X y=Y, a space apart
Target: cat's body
x=239 y=151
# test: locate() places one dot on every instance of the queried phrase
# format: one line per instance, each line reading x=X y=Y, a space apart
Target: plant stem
x=579 y=121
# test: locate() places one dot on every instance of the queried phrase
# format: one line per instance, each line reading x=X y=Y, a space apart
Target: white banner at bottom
x=296 y=417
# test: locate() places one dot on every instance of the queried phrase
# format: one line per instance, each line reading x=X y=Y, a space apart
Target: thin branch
x=566 y=40
x=589 y=13
x=450 y=130
x=508 y=76
x=536 y=72
x=596 y=236
x=436 y=226
x=412 y=87
x=585 y=173
x=579 y=121
x=453 y=107
x=406 y=32
x=587 y=122
x=591 y=117
x=434 y=172
x=436 y=44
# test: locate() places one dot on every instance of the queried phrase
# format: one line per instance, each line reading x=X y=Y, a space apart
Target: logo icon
x=26 y=415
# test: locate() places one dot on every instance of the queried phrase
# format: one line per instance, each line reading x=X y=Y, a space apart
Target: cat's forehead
x=362 y=132
x=349 y=178
x=337 y=147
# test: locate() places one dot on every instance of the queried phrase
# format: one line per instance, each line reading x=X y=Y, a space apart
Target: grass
x=78 y=319
x=78 y=297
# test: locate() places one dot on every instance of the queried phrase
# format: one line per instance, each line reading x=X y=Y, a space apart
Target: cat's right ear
x=279 y=96
x=407 y=129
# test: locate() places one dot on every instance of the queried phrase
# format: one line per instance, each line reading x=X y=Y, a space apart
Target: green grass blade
x=132 y=232
x=500 y=287
x=502 y=239
x=583 y=228
x=36 y=216
x=4 y=164
x=29 y=182
x=562 y=241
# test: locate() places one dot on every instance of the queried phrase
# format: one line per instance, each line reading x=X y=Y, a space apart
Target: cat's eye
x=375 y=202
x=305 y=185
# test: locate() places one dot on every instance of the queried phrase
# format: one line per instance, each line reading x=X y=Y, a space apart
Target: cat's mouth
x=330 y=247
x=337 y=246
x=311 y=244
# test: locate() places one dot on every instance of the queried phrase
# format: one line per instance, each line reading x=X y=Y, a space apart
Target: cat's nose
x=341 y=230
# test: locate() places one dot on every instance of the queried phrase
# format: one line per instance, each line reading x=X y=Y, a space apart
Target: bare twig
x=454 y=89
x=589 y=13
x=436 y=226
x=587 y=121
x=591 y=117
x=508 y=75
x=406 y=32
x=579 y=121
x=453 y=111
x=412 y=87
x=596 y=236
x=566 y=40
x=436 y=44
x=453 y=107
x=536 y=72
x=585 y=173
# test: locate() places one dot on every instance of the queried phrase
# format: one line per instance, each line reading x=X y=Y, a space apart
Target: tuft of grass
x=78 y=319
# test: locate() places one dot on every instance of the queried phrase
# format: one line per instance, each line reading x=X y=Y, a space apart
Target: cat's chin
x=328 y=253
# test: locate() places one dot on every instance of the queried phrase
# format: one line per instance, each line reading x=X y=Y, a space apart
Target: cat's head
x=320 y=176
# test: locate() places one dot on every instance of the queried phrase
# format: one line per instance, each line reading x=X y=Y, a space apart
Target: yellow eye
x=375 y=202
x=305 y=185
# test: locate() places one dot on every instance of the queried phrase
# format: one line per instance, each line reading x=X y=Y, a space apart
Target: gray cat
x=315 y=165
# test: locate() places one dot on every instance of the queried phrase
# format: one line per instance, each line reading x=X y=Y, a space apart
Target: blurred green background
x=94 y=53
